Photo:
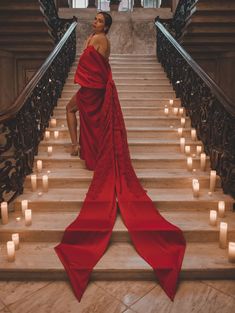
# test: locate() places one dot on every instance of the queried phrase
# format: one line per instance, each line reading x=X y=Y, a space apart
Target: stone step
x=129 y=57
x=146 y=121
x=165 y=199
x=135 y=145
x=120 y=261
x=149 y=178
x=124 y=101
x=131 y=87
x=132 y=80
x=132 y=74
x=50 y=226
x=139 y=160
x=131 y=70
x=128 y=64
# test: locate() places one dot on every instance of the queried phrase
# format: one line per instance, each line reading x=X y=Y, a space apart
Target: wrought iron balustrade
x=210 y=111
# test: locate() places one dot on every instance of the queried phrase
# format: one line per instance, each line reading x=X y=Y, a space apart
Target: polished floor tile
x=127 y=291
x=191 y=297
x=13 y=291
x=59 y=298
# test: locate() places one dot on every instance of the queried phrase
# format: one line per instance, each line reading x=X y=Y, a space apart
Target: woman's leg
x=71 y=110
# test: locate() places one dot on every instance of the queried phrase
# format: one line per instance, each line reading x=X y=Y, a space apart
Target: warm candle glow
x=16 y=240
x=212 y=180
x=49 y=150
x=213 y=217
x=45 y=183
x=187 y=150
x=24 y=206
x=34 y=182
x=182 y=121
x=181 y=111
x=189 y=163
x=166 y=111
x=56 y=134
x=175 y=111
x=199 y=150
x=193 y=134
x=28 y=217
x=221 y=208
x=231 y=251
x=39 y=166
x=47 y=135
x=223 y=235
x=196 y=187
x=180 y=131
x=10 y=251
x=203 y=161
x=182 y=144
x=53 y=122
x=4 y=212
x=171 y=101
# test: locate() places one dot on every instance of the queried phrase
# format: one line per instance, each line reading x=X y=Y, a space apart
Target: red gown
x=104 y=148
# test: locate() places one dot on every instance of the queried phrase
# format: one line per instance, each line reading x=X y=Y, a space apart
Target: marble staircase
x=144 y=91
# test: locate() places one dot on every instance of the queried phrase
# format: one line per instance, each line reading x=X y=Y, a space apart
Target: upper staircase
x=144 y=91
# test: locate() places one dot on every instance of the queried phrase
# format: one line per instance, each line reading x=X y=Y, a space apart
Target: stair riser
x=129 y=65
x=134 y=80
x=171 y=182
x=133 y=94
x=74 y=88
x=145 y=74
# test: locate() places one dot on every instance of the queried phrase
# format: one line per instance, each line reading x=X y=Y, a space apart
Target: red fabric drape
x=104 y=148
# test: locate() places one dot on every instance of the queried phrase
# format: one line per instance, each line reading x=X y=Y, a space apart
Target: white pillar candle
x=53 y=122
x=175 y=111
x=198 y=150
x=18 y=219
x=182 y=144
x=47 y=135
x=180 y=131
x=193 y=134
x=45 y=183
x=16 y=240
x=223 y=235
x=203 y=161
x=213 y=217
x=4 y=212
x=166 y=111
x=182 y=121
x=39 y=166
x=34 y=182
x=56 y=134
x=24 y=206
x=221 y=208
x=231 y=251
x=28 y=217
x=212 y=180
x=181 y=111
x=10 y=251
x=171 y=102
x=49 y=150
x=196 y=187
x=187 y=150
x=189 y=164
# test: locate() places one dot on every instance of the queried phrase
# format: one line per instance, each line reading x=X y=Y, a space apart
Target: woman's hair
x=107 y=20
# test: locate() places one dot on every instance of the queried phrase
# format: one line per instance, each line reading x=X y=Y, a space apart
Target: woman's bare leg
x=71 y=110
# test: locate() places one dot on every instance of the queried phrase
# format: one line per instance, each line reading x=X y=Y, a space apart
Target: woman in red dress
x=114 y=186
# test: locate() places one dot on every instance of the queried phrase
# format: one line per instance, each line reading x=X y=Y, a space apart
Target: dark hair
x=107 y=20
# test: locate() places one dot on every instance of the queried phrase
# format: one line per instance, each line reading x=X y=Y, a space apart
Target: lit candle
x=10 y=251
x=34 y=182
x=182 y=144
x=212 y=180
x=4 y=212
x=171 y=101
x=189 y=164
x=16 y=240
x=182 y=121
x=213 y=217
x=193 y=134
x=223 y=235
x=221 y=208
x=203 y=161
x=175 y=111
x=166 y=111
x=45 y=183
x=180 y=131
x=187 y=150
x=196 y=187
x=18 y=219
x=47 y=135
x=56 y=134
x=53 y=122
x=199 y=150
x=39 y=166
x=24 y=206
x=28 y=217
x=181 y=111
x=231 y=251
x=49 y=150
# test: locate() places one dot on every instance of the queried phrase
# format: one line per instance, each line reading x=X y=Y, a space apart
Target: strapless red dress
x=104 y=148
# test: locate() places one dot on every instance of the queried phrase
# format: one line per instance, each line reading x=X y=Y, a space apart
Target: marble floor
x=207 y=296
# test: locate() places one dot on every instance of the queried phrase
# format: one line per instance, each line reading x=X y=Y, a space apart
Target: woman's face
x=99 y=23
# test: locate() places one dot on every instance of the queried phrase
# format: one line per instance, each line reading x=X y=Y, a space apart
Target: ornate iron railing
x=23 y=126
x=210 y=111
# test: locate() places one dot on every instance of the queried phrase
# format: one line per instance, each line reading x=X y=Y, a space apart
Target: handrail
x=217 y=91
x=19 y=102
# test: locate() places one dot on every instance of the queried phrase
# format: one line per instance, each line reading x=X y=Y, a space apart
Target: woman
x=104 y=147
